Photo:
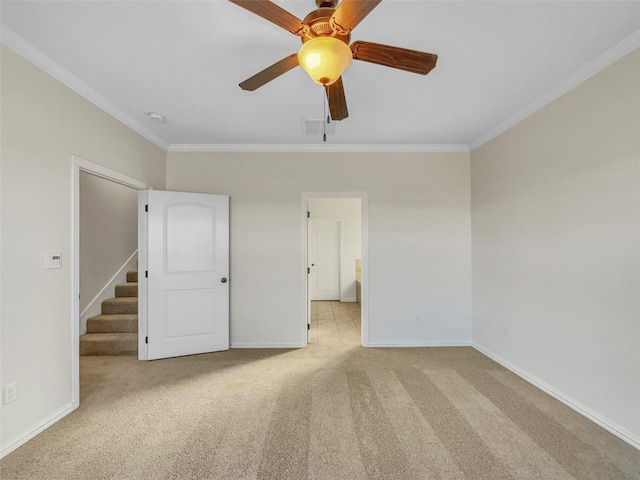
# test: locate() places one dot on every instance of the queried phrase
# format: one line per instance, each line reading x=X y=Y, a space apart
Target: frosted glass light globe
x=325 y=59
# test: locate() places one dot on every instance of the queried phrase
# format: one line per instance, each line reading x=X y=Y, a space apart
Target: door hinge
x=146 y=274
x=308 y=214
x=146 y=208
x=308 y=326
x=308 y=270
x=146 y=339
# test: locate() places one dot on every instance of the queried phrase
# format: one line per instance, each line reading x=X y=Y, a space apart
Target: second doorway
x=334 y=252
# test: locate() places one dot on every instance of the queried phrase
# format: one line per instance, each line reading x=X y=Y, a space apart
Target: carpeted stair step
x=127 y=290
x=115 y=331
x=120 y=305
x=119 y=323
x=109 y=344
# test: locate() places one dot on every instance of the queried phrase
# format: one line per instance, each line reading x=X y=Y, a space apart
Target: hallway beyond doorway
x=335 y=323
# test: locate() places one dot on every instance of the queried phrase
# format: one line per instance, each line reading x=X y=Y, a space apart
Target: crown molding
x=322 y=148
x=615 y=53
x=42 y=61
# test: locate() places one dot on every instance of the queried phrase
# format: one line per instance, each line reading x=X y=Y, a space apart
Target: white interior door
x=186 y=292
x=324 y=258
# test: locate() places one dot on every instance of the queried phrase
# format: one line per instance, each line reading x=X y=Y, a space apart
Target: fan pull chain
x=324 y=113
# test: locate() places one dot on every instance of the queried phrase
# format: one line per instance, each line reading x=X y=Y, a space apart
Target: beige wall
x=556 y=245
x=108 y=232
x=43 y=124
x=419 y=239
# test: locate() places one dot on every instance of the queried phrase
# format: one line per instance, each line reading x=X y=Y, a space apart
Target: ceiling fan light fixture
x=325 y=59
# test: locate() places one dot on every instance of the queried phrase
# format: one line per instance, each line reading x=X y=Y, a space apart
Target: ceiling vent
x=312 y=127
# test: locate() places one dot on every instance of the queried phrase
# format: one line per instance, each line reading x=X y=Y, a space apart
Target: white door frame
x=82 y=165
x=364 y=212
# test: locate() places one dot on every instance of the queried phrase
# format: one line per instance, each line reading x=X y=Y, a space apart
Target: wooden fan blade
x=351 y=12
x=337 y=100
x=269 y=73
x=395 y=57
x=272 y=12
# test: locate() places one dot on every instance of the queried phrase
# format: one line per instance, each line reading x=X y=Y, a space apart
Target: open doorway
x=335 y=255
x=106 y=258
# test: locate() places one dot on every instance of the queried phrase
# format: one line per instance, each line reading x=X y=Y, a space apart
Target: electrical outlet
x=10 y=393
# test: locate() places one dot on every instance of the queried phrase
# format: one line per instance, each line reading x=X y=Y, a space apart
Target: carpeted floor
x=323 y=412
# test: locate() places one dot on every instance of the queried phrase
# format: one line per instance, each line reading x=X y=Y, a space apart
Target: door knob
x=223 y=280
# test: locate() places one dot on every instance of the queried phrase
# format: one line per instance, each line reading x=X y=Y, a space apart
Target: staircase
x=115 y=332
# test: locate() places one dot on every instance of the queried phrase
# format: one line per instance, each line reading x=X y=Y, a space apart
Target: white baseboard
x=595 y=417
x=63 y=412
x=348 y=299
x=266 y=345
x=418 y=344
x=95 y=306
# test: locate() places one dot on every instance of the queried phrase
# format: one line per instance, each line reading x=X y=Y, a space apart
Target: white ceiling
x=184 y=59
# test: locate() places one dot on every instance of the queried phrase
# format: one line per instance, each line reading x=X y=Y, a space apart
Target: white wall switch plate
x=52 y=260
x=10 y=393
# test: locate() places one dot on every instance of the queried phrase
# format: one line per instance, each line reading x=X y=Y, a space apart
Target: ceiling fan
x=325 y=53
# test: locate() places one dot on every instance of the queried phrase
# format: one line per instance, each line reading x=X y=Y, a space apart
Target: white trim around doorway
x=364 y=212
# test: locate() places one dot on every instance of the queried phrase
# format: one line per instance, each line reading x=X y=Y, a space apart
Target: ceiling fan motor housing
x=327 y=3
x=319 y=22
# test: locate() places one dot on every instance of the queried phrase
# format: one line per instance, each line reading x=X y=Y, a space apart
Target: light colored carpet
x=323 y=412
